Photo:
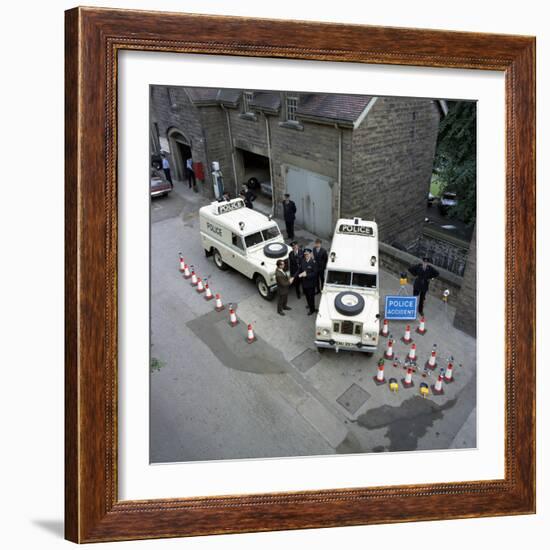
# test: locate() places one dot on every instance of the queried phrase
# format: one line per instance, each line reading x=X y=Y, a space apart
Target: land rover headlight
x=325 y=332
x=371 y=335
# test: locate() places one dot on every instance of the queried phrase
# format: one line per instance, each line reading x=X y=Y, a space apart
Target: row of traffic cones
x=420 y=329
x=431 y=363
x=408 y=382
x=201 y=287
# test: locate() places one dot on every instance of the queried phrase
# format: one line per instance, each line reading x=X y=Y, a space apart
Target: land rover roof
x=232 y=213
x=354 y=243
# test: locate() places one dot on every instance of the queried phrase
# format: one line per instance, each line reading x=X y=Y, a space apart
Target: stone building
x=337 y=155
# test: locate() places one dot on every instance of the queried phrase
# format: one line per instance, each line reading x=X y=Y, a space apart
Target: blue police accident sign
x=401 y=307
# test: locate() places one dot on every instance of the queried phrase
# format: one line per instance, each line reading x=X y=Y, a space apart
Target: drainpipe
x=339 y=169
x=232 y=149
x=270 y=165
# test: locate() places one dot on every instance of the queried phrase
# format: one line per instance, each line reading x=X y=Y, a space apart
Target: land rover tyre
x=220 y=264
x=275 y=250
x=349 y=303
x=263 y=288
x=253 y=183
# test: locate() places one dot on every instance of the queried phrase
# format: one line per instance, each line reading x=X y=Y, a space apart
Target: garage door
x=313 y=197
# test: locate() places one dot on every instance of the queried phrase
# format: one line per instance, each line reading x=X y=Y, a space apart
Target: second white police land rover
x=348 y=317
x=244 y=239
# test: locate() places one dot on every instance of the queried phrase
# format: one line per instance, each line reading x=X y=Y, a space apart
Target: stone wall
x=466 y=309
x=393 y=153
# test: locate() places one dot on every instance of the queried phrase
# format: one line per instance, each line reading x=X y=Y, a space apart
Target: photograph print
x=313 y=274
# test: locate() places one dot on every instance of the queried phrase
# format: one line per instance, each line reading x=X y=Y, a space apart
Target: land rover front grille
x=347 y=327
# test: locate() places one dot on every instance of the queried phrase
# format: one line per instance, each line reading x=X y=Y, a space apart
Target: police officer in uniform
x=308 y=275
x=294 y=263
x=289 y=214
x=283 y=285
x=423 y=272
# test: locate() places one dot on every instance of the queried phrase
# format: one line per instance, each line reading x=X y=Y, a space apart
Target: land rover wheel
x=275 y=250
x=349 y=303
x=263 y=289
x=220 y=264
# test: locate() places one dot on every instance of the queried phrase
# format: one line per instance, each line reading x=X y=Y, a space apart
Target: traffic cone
x=449 y=374
x=412 y=353
x=250 y=335
x=379 y=378
x=424 y=390
x=182 y=263
x=219 y=305
x=394 y=386
x=407 y=337
x=437 y=389
x=186 y=272
x=408 y=381
x=389 y=350
x=232 y=317
x=431 y=363
x=208 y=293
x=385 y=329
x=194 y=279
x=422 y=327
x=200 y=286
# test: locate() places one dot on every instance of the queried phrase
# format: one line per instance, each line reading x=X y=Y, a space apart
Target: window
x=291 y=105
x=339 y=278
x=254 y=239
x=366 y=280
x=270 y=233
x=237 y=241
x=248 y=97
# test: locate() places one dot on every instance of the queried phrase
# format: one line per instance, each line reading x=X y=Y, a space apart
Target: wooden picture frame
x=93 y=39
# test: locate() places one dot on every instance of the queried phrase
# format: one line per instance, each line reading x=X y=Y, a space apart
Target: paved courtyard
x=214 y=396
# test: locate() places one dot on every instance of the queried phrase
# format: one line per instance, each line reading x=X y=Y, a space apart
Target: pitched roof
x=338 y=107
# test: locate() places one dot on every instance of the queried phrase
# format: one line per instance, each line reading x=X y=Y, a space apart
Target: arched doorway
x=180 y=151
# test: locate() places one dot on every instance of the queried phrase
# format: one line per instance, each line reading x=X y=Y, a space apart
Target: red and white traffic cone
x=385 y=329
x=250 y=335
x=407 y=336
x=421 y=329
x=186 y=272
x=431 y=364
x=232 y=317
x=194 y=279
x=208 y=293
x=412 y=353
x=437 y=388
x=182 y=263
x=408 y=380
x=200 y=286
x=219 y=305
x=449 y=374
x=388 y=354
x=379 y=378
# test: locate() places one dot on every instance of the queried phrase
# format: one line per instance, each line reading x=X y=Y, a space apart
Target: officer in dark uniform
x=294 y=263
x=320 y=255
x=308 y=275
x=423 y=273
x=289 y=214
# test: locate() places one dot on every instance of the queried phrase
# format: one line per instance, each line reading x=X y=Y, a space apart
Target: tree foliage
x=455 y=158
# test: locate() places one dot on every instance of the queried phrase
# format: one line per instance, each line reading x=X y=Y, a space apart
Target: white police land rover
x=244 y=239
x=348 y=317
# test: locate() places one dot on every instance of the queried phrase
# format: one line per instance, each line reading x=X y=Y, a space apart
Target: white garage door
x=313 y=197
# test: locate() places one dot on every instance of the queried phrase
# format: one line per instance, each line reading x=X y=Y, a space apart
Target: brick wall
x=393 y=153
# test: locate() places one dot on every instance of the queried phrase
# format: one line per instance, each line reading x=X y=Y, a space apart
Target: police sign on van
x=348 y=317
x=246 y=240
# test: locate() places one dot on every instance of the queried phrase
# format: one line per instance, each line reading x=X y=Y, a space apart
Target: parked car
x=431 y=199
x=447 y=200
x=266 y=188
x=160 y=186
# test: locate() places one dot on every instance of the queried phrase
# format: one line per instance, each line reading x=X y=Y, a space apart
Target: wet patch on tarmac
x=407 y=423
x=230 y=346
